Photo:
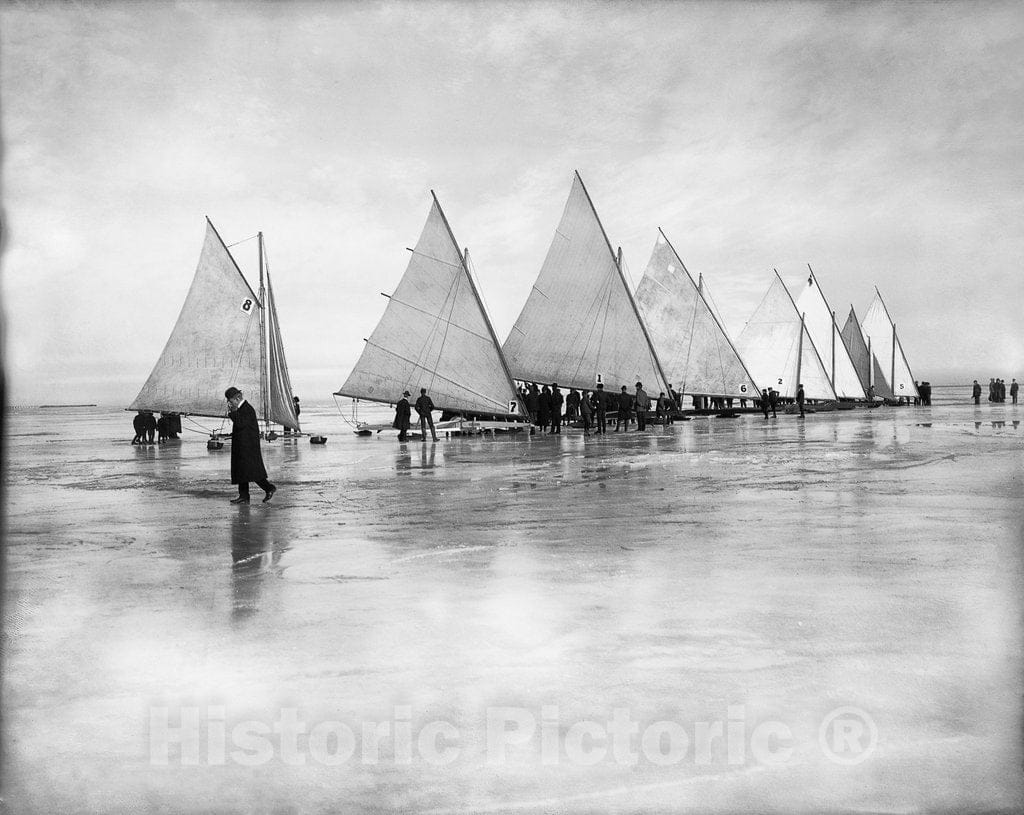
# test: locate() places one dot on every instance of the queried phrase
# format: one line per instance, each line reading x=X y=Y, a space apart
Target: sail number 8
x=247 y=305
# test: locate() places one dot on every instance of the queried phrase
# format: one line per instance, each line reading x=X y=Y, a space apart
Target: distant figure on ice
x=424 y=405
x=150 y=426
x=572 y=405
x=298 y=410
x=1014 y=388
x=800 y=399
x=586 y=412
x=991 y=389
x=544 y=408
x=643 y=404
x=403 y=411
x=557 y=400
x=764 y=403
x=161 y=429
x=246 y=458
x=661 y=409
x=533 y=403
x=976 y=392
x=139 y=424
x=622 y=416
x=600 y=409
x=773 y=401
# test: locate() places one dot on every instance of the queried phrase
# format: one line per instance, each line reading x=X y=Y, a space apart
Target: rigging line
x=689 y=346
x=244 y=240
x=454 y=289
x=469 y=331
x=436 y=260
x=593 y=308
x=449 y=296
x=486 y=398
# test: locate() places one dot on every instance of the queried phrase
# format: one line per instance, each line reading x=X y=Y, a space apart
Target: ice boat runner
x=820 y=321
x=779 y=352
x=580 y=325
x=435 y=334
x=864 y=361
x=880 y=330
x=226 y=334
x=697 y=355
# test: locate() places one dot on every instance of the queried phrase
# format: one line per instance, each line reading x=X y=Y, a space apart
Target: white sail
x=280 y=406
x=857 y=348
x=215 y=342
x=436 y=335
x=779 y=352
x=695 y=352
x=821 y=325
x=580 y=324
x=885 y=345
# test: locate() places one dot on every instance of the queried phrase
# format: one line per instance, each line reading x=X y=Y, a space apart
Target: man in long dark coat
x=557 y=400
x=800 y=399
x=976 y=392
x=403 y=410
x=600 y=409
x=246 y=458
x=624 y=408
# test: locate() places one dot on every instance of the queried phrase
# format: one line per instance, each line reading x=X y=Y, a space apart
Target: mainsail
x=779 y=352
x=435 y=334
x=218 y=341
x=696 y=354
x=580 y=324
x=880 y=330
x=820 y=321
x=863 y=360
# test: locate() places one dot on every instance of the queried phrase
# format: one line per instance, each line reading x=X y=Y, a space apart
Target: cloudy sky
x=882 y=143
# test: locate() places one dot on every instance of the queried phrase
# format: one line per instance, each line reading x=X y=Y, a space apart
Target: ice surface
x=716 y=572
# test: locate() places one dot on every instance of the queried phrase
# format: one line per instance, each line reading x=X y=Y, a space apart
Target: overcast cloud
x=882 y=143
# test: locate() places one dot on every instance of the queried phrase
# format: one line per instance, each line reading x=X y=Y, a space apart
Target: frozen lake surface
x=722 y=615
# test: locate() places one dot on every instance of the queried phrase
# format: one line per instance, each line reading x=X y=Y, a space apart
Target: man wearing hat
x=246 y=458
x=403 y=410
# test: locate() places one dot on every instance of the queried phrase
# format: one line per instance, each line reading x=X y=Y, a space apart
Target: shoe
x=269 y=495
x=239 y=500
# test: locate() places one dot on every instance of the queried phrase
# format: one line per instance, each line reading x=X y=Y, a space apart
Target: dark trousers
x=602 y=421
x=641 y=420
x=243 y=487
x=427 y=419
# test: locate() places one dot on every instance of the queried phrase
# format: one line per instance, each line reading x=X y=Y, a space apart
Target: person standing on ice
x=586 y=411
x=246 y=458
x=800 y=399
x=622 y=416
x=402 y=413
x=976 y=392
x=424 y=405
x=557 y=400
x=764 y=403
x=1014 y=388
x=773 y=401
x=643 y=404
x=600 y=409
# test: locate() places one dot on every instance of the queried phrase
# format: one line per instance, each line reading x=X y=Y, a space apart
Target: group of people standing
x=146 y=426
x=403 y=415
x=996 y=391
x=549 y=410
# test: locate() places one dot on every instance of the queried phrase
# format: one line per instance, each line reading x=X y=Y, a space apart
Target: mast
x=629 y=295
x=892 y=380
x=834 y=329
x=464 y=257
x=800 y=354
x=711 y=311
x=871 y=367
x=264 y=379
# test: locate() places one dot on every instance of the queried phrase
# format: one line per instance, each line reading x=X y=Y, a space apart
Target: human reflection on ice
x=253 y=558
x=427 y=452
x=403 y=459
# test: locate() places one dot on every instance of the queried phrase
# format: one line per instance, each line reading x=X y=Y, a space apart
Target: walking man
x=424 y=405
x=403 y=412
x=246 y=458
